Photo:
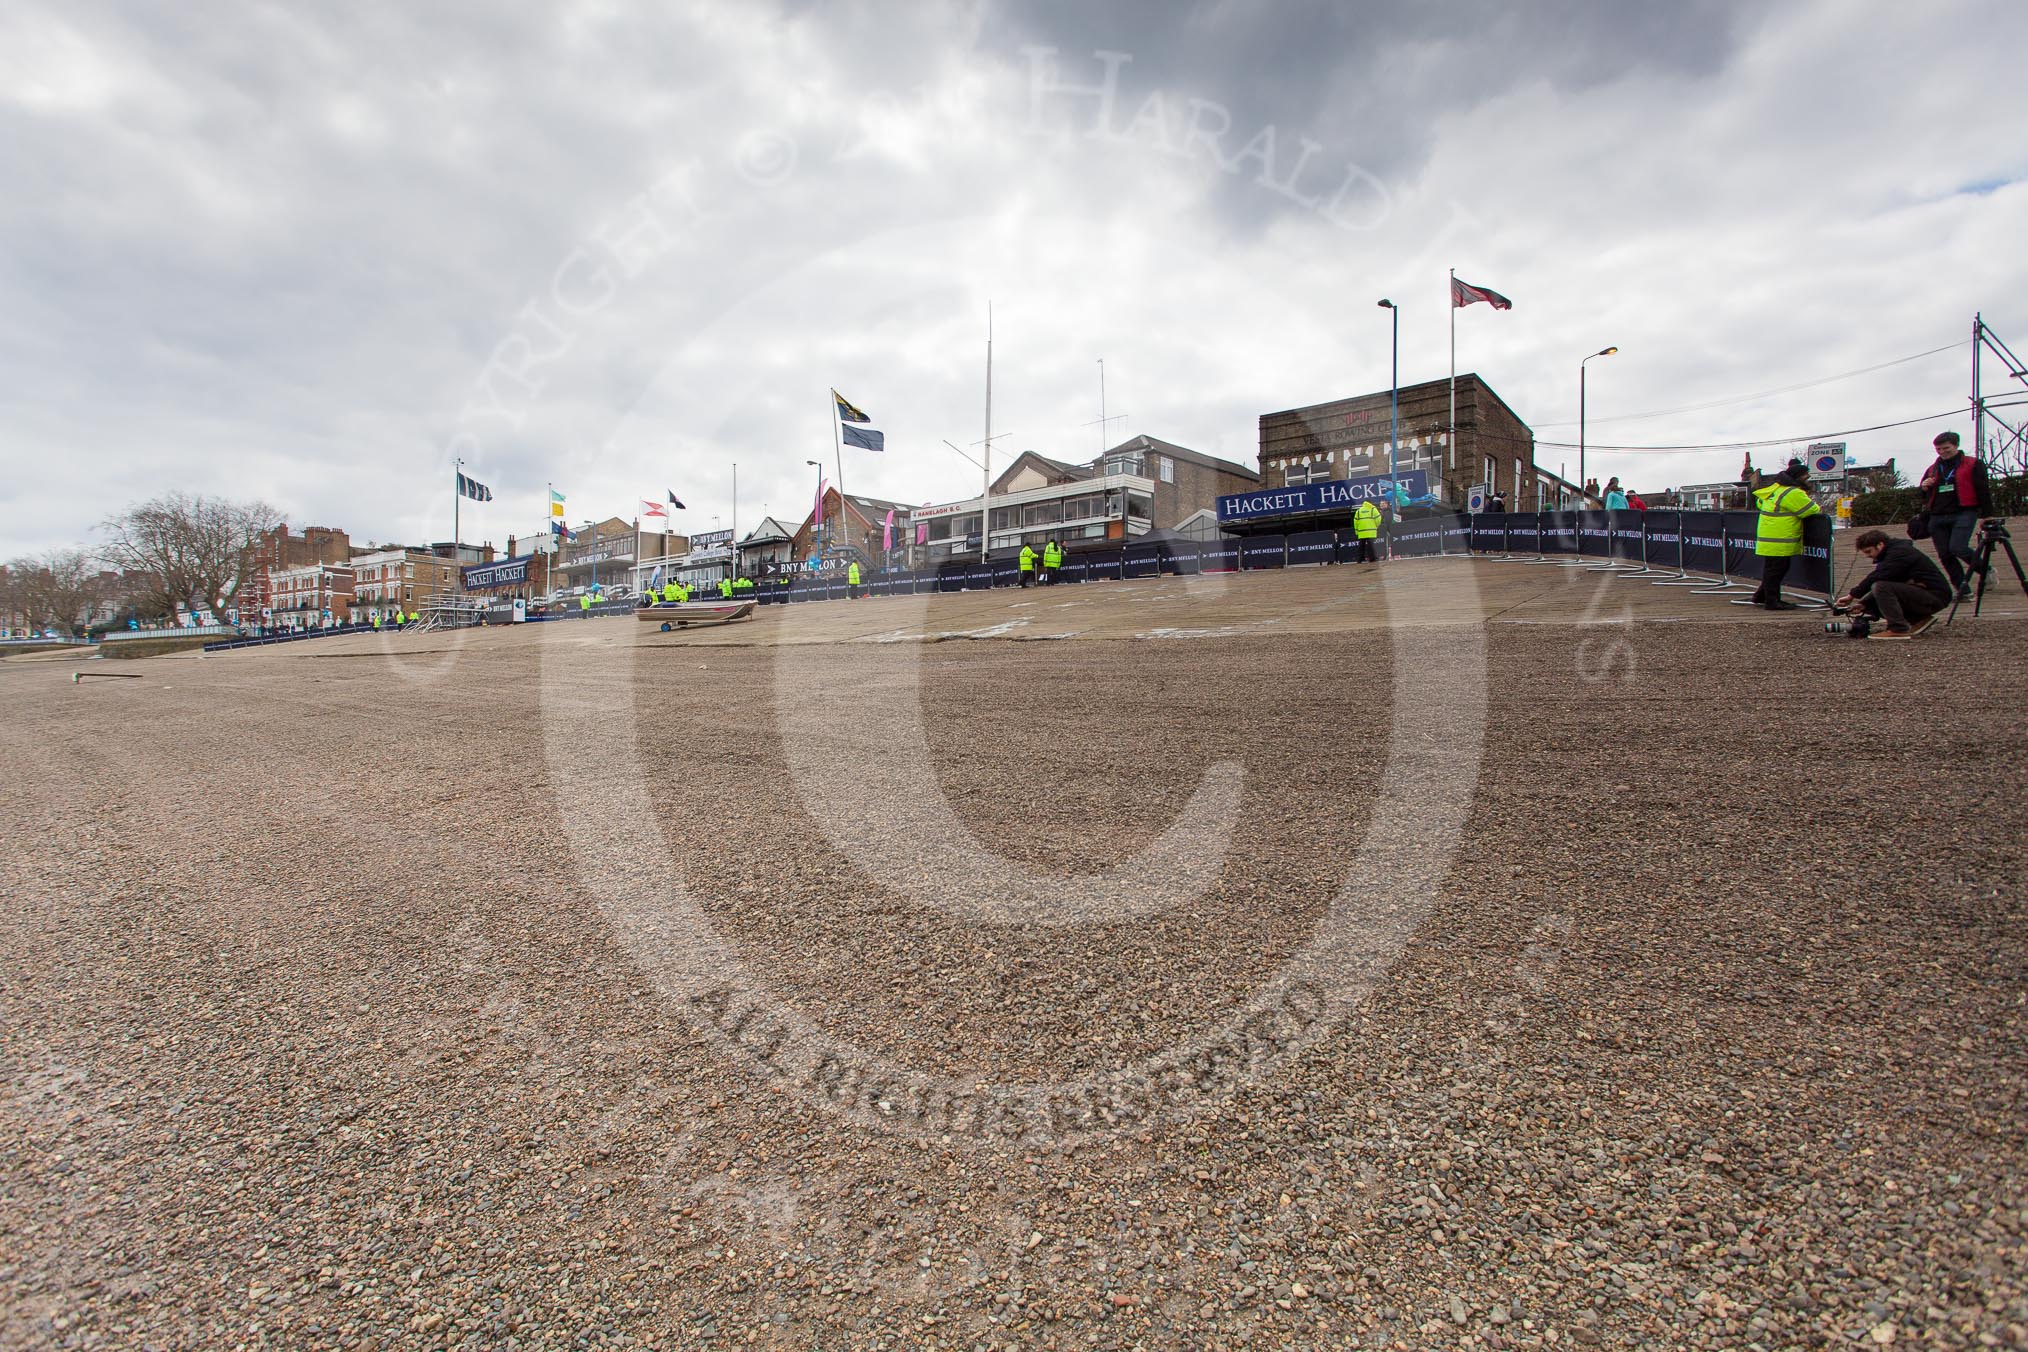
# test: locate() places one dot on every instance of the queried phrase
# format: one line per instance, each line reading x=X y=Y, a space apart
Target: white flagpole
x=1453 y=437
x=986 y=458
x=837 y=451
x=457 y=473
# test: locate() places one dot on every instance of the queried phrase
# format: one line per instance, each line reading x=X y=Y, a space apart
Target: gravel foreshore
x=330 y=1017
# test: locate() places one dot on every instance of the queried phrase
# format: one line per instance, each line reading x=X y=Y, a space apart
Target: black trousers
x=1903 y=604
x=1366 y=554
x=1952 y=536
x=1773 y=568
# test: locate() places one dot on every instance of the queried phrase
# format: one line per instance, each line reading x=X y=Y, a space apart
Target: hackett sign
x=1332 y=495
x=501 y=574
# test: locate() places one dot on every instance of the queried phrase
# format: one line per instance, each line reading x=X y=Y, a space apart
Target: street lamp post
x=1581 y=481
x=1394 y=395
x=817 y=534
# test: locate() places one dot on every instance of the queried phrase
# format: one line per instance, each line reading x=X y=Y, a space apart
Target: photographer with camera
x=1905 y=589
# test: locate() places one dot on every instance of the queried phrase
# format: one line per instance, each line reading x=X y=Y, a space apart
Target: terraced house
x=389 y=580
x=317 y=596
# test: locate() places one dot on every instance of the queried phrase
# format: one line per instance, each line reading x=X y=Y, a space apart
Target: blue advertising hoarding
x=1334 y=495
x=506 y=573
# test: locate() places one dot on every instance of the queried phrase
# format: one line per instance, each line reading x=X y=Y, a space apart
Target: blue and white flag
x=469 y=487
x=865 y=438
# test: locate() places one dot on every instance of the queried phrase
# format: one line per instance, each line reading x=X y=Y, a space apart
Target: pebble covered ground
x=318 y=1029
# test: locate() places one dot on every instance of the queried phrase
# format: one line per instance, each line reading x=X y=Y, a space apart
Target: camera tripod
x=1991 y=533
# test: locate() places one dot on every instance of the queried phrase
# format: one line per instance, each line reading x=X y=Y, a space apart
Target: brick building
x=314 y=596
x=852 y=524
x=388 y=580
x=317 y=544
x=1349 y=439
x=605 y=553
x=276 y=550
x=1143 y=484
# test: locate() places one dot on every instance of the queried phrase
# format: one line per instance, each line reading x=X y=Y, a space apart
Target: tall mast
x=986 y=460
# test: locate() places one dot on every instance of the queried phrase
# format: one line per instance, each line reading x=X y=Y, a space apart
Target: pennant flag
x=817 y=512
x=1464 y=293
x=655 y=579
x=471 y=488
x=654 y=509
x=847 y=412
x=555 y=503
x=887 y=532
x=677 y=503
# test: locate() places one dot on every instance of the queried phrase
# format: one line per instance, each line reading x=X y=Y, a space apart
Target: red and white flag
x=1464 y=293
x=654 y=509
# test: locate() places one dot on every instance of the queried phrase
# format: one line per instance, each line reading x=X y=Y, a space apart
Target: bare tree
x=189 y=551
x=56 y=590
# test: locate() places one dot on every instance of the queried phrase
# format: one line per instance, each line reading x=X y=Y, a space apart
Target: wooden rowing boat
x=682 y=615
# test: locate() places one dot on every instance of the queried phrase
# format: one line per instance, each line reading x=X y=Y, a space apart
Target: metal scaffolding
x=2003 y=445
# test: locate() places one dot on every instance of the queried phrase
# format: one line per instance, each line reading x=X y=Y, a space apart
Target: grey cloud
x=1368 y=82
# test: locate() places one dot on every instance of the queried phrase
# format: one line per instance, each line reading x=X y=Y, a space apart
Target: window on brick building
x=1166 y=468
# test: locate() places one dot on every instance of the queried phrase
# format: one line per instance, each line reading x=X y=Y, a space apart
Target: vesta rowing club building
x=1330 y=457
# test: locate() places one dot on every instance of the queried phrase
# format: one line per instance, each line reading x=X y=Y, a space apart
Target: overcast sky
x=312 y=253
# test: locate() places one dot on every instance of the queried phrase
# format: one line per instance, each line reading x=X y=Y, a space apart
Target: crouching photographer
x=1906 y=589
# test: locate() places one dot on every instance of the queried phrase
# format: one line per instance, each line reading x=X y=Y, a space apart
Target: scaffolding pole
x=2007 y=450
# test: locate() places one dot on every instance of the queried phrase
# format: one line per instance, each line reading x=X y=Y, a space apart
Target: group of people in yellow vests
x=398 y=619
x=1051 y=559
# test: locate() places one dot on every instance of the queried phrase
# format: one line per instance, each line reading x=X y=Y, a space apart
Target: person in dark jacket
x=1959 y=496
x=1905 y=588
